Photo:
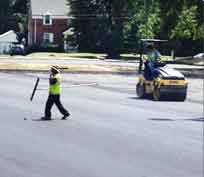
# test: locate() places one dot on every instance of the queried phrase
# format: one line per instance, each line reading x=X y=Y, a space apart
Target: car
x=17 y=49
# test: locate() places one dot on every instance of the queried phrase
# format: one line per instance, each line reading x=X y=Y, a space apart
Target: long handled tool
x=70 y=86
x=73 y=85
x=34 y=89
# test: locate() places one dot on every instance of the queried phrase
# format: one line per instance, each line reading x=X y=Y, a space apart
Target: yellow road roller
x=168 y=84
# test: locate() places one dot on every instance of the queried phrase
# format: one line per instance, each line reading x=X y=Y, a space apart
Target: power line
x=93 y=16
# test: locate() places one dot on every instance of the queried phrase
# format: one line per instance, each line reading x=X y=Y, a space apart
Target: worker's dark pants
x=54 y=99
x=150 y=70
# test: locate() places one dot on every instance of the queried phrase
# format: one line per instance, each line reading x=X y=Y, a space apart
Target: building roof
x=54 y=7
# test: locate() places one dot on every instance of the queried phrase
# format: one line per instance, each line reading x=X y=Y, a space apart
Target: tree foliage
x=149 y=27
x=186 y=25
x=13 y=15
x=114 y=26
x=99 y=24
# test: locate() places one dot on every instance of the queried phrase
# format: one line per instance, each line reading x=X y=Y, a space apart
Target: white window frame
x=48 y=38
x=45 y=20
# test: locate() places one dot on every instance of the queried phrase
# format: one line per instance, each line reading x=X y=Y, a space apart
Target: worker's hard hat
x=54 y=69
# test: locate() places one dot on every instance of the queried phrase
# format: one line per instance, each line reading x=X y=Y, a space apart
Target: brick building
x=48 y=19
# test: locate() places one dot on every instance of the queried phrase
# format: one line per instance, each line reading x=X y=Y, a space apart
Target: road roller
x=168 y=84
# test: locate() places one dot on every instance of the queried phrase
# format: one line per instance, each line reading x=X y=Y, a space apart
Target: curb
x=90 y=69
x=187 y=73
x=73 y=72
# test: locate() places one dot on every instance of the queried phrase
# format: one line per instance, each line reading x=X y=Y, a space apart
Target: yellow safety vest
x=56 y=88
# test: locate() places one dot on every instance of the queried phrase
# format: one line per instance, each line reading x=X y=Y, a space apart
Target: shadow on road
x=135 y=98
x=157 y=119
x=196 y=119
x=201 y=119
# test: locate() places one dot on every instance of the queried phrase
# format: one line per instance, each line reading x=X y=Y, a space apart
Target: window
x=47 y=20
x=48 y=37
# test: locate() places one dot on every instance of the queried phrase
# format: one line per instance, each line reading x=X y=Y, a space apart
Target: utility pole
x=203 y=25
x=203 y=79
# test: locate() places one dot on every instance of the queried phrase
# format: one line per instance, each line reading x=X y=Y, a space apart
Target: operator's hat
x=149 y=45
x=55 y=69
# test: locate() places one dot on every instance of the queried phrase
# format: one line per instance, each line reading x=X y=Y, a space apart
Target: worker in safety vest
x=54 y=95
x=152 y=61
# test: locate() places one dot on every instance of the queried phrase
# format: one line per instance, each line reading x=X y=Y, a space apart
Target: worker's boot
x=65 y=116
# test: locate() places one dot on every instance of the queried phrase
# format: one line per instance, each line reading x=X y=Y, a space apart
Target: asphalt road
x=111 y=133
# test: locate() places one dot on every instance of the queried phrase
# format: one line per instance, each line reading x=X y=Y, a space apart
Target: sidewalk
x=78 y=65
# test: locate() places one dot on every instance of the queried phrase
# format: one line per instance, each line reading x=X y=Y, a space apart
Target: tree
x=20 y=6
x=118 y=12
x=4 y=15
x=145 y=23
x=150 y=27
x=106 y=25
x=99 y=24
x=4 y=7
x=84 y=14
x=13 y=15
x=187 y=24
